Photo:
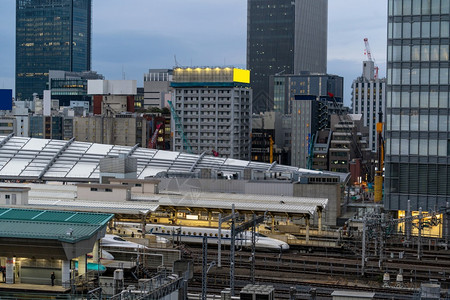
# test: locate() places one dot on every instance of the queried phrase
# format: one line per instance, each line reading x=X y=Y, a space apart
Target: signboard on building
x=5 y=99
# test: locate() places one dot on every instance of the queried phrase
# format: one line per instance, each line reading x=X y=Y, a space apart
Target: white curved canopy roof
x=58 y=160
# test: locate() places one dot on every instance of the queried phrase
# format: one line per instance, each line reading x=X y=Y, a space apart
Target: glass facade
x=417 y=105
x=270 y=45
x=50 y=35
x=283 y=36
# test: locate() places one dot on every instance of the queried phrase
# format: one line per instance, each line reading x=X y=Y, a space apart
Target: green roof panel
x=19 y=214
x=64 y=226
x=57 y=216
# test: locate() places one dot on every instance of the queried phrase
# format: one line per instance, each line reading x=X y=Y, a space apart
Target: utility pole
x=363 y=258
x=219 y=243
x=252 y=268
x=381 y=248
x=408 y=223
x=204 y=267
x=219 y=238
x=419 y=236
x=232 y=246
x=447 y=224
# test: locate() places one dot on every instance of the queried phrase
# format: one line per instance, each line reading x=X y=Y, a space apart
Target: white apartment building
x=213 y=106
x=369 y=99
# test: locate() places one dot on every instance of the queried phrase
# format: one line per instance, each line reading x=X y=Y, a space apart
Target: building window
x=108 y=190
x=94 y=189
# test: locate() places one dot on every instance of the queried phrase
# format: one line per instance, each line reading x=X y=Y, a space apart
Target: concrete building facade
x=126 y=130
x=311 y=99
x=157 y=89
x=369 y=99
x=112 y=97
x=214 y=110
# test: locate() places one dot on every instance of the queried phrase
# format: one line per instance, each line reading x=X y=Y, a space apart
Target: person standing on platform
x=52 y=277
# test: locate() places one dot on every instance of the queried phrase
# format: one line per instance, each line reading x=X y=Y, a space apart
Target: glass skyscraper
x=417 y=108
x=284 y=37
x=50 y=35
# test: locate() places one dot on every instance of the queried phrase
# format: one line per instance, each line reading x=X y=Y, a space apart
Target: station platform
x=25 y=287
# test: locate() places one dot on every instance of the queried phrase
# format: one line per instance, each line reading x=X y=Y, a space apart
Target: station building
x=35 y=243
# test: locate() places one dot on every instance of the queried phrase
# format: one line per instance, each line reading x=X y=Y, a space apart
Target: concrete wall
x=14 y=197
x=113 y=87
x=115 y=195
x=109 y=130
x=227 y=186
x=330 y=191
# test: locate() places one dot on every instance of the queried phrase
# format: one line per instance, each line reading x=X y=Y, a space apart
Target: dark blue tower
x=50 y=35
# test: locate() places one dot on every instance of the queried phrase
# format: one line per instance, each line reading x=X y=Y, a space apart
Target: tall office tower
x=417 y=108
x=213 y=111
x=284 y=36
x=50 y=35
x=369 y=99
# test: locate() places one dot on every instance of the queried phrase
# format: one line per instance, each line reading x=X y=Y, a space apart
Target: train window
x=210 y=234
x=221 y=235
x=216 y=235
x=195 y=233
x=205 y=234
x=155 y=220
x=184 y=232
x=226 y=235
x=189 y=233
x=163 y=231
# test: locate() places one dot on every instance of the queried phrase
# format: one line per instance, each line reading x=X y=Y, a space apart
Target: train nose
x=284 y=246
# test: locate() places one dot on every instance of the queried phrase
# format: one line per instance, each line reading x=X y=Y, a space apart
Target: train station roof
x=25 y=158
x=49 y=233
x=244 y=202
x=63 y=226
x=64 y=197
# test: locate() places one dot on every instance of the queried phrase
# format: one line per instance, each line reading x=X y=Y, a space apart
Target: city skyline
x=201 y=36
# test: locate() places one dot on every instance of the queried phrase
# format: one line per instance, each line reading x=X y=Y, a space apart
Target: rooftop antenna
x=176 y=62
x=123 y=73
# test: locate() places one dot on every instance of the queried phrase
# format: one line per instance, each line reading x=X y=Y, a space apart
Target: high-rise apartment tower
x=284 y=37
x=50 y=35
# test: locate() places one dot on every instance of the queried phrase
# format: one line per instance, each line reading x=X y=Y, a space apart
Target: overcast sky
x=131 y=36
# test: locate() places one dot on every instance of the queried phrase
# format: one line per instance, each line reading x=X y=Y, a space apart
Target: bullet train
x=104 y=255
x=115 y=241
x=195 y=235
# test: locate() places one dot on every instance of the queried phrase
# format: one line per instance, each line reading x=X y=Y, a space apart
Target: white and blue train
x=195 y=235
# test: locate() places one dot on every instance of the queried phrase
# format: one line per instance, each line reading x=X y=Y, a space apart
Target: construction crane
x=378 y=182
x=179 y=126
x=370 y=57
x=152 y=142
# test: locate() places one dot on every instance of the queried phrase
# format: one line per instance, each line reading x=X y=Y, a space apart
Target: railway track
x=414 y=271
x=283 y=287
